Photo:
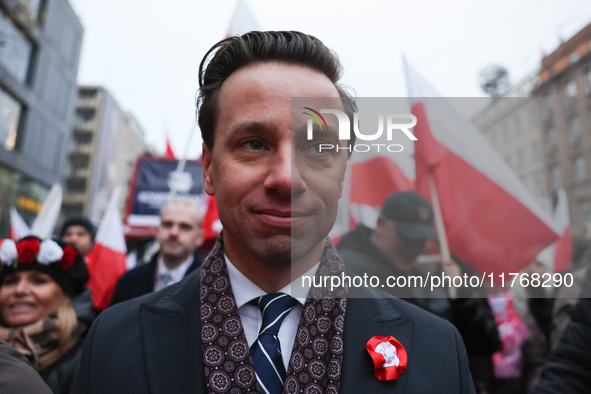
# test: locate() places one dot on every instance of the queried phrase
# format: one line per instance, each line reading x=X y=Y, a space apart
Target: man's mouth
x=286 y=218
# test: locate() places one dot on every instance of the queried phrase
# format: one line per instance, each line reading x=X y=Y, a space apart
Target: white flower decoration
x=389 y=352
x=8 y=253
x=49 y=252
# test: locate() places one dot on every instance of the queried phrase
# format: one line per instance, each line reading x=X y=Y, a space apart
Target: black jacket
x=471 y=316
x=140 y=280
x=568 y=370
x=152 y=344
x=59 y=376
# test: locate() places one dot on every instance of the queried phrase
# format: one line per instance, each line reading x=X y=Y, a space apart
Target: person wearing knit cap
x=39 y=279
x=80 y=232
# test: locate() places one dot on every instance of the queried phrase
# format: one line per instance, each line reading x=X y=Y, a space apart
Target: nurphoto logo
x=345 y=130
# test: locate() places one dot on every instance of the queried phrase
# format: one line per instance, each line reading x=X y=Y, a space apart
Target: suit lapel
x=366 y=318
x=171 y=335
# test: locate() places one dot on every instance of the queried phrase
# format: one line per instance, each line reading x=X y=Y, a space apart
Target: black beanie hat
x=80 y=221
x=70 y=272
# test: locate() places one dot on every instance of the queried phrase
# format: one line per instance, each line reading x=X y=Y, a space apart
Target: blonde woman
x=38 y=281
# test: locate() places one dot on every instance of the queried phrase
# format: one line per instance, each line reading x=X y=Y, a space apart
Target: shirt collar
x=246 y=290
x=176 y=273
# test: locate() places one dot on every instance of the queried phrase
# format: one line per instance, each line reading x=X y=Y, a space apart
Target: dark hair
x=78 y=221
x=256 y=47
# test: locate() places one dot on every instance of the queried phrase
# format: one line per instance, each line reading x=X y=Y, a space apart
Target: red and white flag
x=106 y=262
x=374 y=179
x=169 y=154
x=18 y=227
x=563 y=248
x=243 y=20
x=491 y=220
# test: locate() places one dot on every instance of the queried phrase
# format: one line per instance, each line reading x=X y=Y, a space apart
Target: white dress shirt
x=176 y=274
x=251 y=316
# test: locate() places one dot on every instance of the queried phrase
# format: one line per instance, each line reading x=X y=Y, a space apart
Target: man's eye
x=255 y=145
x=318 y=148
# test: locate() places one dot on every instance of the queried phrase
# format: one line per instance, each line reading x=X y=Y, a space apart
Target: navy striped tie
x=266 y=350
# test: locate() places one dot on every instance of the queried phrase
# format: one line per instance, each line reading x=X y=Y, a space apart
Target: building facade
x=105 y=143
x=565 y=86
x=40 y=42
x=131 y=147
x=512 y=125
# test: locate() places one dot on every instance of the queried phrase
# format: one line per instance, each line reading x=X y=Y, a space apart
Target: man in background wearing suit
x=232 y=326
x=179 y=235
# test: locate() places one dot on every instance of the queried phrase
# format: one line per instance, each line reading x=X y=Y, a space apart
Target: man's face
x=79 y=237
x=273 y=187
x=403 y=252
x=179 y=232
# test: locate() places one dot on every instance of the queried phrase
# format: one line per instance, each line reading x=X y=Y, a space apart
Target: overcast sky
x=147 y=52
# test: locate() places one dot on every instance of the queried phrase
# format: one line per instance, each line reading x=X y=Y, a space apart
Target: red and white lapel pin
x=389 y=357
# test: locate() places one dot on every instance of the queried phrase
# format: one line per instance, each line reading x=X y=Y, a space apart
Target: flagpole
x=442 y=235
x=181 y=166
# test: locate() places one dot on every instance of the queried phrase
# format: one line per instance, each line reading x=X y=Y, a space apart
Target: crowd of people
x=228 y=323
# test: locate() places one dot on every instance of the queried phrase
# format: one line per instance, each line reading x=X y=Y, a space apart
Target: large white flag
x=44 y=223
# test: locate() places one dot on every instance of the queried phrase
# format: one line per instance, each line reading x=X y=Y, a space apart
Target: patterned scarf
x=317 y=356
x=39 y=341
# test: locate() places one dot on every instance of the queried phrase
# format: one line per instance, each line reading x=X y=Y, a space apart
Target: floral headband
x=30 y=250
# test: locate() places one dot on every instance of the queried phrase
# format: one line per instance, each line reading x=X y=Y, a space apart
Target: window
x=574 y=57
x=580 y=169
x=15 y=49
x=588 y=79
x=72 y=210
x=87 y=95
x=556 y=177
x=571 y=89
x=584 y=213
x=30 y=8
x=77 y=186
x=83 y=119
x=10 y=111
x=575 y=130
x=81 y=140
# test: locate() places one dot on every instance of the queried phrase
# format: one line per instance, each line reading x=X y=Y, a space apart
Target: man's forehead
x=179 y=212
x=272 y=83
x=76 y=229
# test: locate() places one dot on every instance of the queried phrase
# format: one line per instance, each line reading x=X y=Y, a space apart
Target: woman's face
x=29 y=296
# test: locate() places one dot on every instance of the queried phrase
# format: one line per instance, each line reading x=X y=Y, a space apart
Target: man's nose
x=174 y=230
x=283 y=173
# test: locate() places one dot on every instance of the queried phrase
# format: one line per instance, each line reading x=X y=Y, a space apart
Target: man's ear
x=207 y=171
